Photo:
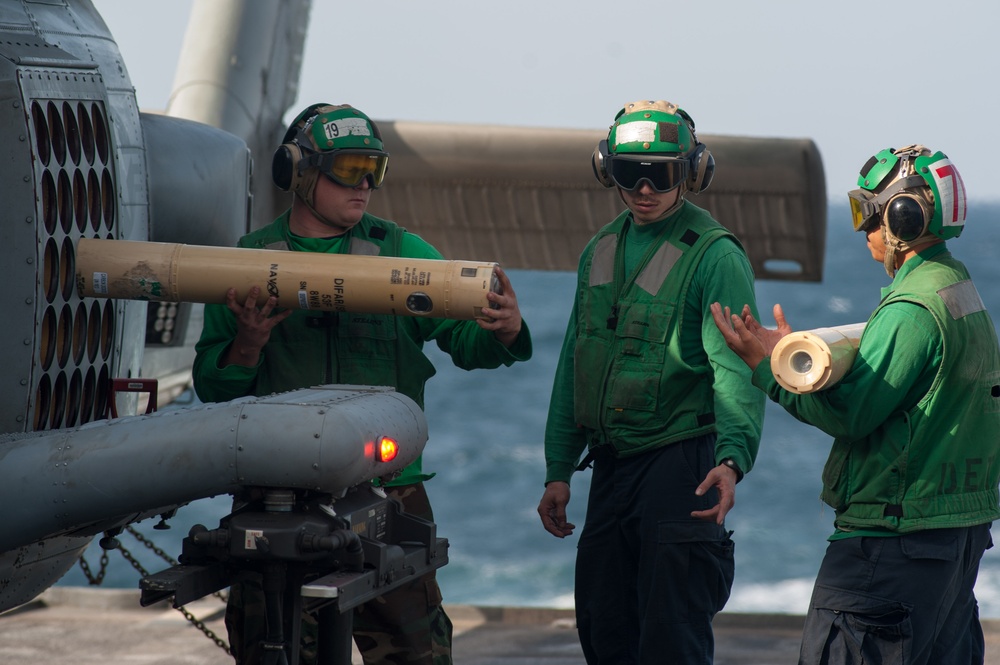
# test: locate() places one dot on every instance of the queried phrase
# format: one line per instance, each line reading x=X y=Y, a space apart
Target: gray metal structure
x=80 y=160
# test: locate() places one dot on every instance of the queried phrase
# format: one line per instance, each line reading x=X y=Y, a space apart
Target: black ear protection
x=701 y=168
x=600 y=164
x=907 y=215
x=285 y=162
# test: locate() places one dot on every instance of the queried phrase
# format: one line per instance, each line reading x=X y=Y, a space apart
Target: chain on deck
x=98 y=579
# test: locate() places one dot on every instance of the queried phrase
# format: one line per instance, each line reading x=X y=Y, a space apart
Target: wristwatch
x=731 y=463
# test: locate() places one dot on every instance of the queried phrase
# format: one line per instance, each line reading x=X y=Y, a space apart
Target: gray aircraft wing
x=528 y=198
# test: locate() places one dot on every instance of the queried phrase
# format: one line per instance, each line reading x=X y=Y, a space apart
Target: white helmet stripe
x=951 y=189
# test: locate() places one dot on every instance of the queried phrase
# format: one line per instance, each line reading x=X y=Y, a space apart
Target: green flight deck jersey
x=643 y=364
x=317 y=347
x=916 y=419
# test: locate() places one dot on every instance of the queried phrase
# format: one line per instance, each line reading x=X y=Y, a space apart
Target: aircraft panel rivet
x=316 y=436
x=24 y=382
x=315 y=466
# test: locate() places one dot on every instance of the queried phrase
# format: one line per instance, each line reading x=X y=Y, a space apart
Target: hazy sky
x=855 y=77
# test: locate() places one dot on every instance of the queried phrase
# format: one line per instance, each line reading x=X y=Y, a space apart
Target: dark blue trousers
x=898 y=600
x=649 y=578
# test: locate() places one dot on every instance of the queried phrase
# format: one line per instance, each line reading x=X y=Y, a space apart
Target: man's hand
x=552 y=509
x=253 y=326
x=751 y=341
x=724 y=480
x=505 y=320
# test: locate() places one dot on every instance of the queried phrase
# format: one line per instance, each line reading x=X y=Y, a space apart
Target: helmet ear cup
x=907 y=217
x=284 y=163
x=600 y=162
x=702 y=169
x=284 y=167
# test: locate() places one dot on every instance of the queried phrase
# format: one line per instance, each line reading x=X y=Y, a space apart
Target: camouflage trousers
x=407 y=626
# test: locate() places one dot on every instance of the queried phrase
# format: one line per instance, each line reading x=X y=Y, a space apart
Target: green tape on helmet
x=878 y=167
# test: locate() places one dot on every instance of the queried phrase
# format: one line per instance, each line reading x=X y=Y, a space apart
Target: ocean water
x=485 y=446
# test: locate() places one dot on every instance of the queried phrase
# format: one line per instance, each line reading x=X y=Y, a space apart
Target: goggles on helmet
x=864 y=210
x=662 y=173
x=349 y=167
x=866 y=206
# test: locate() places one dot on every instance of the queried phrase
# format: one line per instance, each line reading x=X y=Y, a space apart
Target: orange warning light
x=387 y=449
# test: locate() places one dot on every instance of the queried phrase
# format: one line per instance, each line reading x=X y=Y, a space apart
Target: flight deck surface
x=92 y=626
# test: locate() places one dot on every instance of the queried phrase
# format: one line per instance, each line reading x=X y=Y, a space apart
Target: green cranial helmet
x=913 y=195
x=337 y=141
x=653 y=142
x=338 y=128
x=649 y=127
x=892 y=178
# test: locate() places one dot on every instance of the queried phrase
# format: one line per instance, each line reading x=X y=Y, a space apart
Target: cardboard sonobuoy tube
x=170 y=272
x=811 y=360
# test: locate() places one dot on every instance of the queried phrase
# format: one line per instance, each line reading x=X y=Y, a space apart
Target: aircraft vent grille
x=75 y=169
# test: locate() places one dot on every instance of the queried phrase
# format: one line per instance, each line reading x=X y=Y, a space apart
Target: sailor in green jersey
x=913 y=473
x=646 y=389
x=331 y=158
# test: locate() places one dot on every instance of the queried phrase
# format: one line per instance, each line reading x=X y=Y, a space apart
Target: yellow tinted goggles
x=350 y=167
x=864 y=208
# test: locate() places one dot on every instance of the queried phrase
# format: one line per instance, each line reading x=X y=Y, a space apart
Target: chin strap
x=894 y=245
x=889 y=261
x=317 y=215
x=680 y=201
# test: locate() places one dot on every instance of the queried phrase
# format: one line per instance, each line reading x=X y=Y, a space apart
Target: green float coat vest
x=935 y=465
x=345 y=347
x=631 y=388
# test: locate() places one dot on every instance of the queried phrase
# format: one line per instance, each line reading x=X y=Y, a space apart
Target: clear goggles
x=866 y=207
x=349 y=167
x=662 y=173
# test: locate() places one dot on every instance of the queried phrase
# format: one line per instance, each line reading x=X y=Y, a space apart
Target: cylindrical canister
x=170 y=272
x=811 y=360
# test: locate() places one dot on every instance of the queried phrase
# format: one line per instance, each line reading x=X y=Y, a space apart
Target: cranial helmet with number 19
x=339 y=142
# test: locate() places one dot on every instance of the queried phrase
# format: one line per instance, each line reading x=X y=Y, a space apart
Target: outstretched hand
x=751 y=341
